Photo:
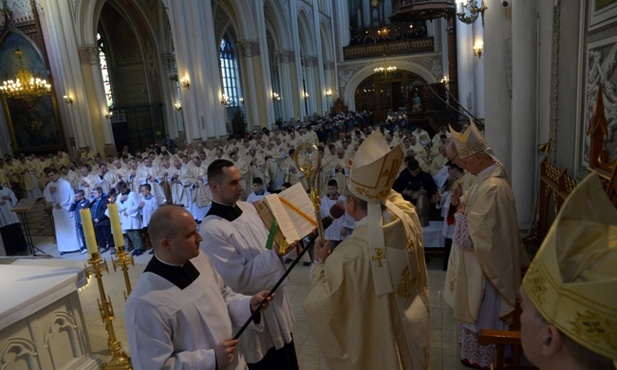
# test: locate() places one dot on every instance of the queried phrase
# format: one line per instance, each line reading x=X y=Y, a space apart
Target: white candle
x=116 y=229
x=86 y=222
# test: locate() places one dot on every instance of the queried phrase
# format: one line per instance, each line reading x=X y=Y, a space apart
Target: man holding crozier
x=369 y=300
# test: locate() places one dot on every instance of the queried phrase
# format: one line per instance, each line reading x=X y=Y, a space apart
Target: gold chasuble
x=358 y=329
x=369 y=302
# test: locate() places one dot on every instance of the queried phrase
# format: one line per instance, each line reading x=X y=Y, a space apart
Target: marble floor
x=444 y=346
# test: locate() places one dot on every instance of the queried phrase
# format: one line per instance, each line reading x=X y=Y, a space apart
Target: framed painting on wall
x=32 y=121
x=602 y=13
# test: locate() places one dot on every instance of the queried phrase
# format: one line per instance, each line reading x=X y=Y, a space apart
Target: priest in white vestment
x=10 y=228
x=180 y=315
x=235 y=240
x=369 y=301
x=59 y=193
x=484 y=268
x=179 y=177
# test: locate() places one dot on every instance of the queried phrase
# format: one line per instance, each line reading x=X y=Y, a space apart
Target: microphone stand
x=278 y=283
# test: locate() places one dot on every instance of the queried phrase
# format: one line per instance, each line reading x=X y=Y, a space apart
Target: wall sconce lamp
x=276 y=96
x=108 y=114
x=445 y=80
x=329 y=93
x=178 y=106
x=185 y=82
x=225 y=100
x=305 y=95
x=478 y=48
x=68 y=99
x=468 y=11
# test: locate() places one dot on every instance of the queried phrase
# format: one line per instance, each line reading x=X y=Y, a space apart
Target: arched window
x=104 y=72
x=229 y=72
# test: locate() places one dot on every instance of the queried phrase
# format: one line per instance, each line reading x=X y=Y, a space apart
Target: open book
x=294 y=214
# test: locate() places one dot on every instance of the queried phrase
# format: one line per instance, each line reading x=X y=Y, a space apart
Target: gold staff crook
x=308 y=160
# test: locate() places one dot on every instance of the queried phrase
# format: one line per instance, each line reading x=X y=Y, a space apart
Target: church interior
x=88 y=82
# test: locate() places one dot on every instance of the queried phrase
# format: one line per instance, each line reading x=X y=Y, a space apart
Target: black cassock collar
x=229 y=213
x=180 y=276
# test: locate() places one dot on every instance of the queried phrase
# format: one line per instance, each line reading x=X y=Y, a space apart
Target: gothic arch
x=306 y=34
x=276 y=17
x=326 y=44
x=231 y=13
x=365 y=71
x=88 y=16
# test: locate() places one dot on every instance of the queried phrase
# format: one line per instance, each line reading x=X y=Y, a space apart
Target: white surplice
x=172 y=328
x=64 y=220
x=130 y=217
x=238 y=250
x=7 y=217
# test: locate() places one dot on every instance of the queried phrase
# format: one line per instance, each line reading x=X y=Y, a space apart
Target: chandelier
x=384 y=70
x=388 y=69
x=468 y=12
x=25 y=85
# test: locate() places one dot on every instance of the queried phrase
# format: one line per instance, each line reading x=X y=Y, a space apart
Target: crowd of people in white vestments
x=178 y=176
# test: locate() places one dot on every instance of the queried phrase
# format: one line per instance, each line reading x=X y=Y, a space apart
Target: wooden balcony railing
x=389 y=48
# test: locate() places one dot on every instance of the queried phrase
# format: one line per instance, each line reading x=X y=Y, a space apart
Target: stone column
x=330 y=75
x=254 y=84
x=286 y=66
x=192 y=28
x=93 y=84
x=497 y=57
x=524 y=130
x=311 y=67
x=68 y=60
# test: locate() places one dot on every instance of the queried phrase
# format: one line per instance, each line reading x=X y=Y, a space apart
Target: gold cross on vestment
x=410 y=245
x=390 y=173
x=379 y=256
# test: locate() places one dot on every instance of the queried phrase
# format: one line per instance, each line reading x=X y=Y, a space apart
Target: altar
x=41 y=319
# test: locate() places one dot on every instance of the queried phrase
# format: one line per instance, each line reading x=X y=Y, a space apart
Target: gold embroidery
x=363 y=192
x=538 y=284
x=379 y=256
x=595 y=328
x=410 y=245
x=452 y=267
x=473 y=149
x=390 y=173
x=404 y=287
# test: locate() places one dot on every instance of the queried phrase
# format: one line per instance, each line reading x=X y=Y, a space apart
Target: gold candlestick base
x=124 y=259
x=119 y=359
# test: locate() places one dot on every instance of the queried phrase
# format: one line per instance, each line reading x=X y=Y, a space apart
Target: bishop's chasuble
x=359 y=329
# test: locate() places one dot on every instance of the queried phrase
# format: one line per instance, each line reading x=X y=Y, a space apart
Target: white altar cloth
x=432 y=235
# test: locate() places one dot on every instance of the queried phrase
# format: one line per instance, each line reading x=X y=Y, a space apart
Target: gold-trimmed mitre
x=375 y=167
x=572 y=281
x=469 y=142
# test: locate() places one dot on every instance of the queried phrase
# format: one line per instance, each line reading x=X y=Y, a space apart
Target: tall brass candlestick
x=123 y=258
x=119 y=359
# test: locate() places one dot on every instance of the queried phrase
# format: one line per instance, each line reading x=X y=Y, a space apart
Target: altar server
x=10 y=228
x=180 y=315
